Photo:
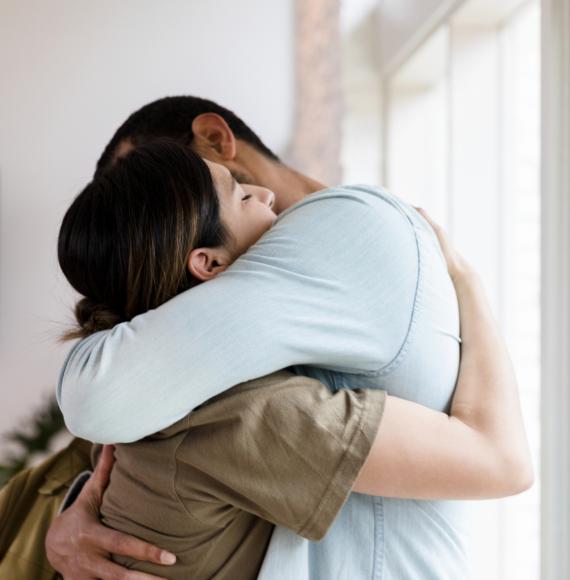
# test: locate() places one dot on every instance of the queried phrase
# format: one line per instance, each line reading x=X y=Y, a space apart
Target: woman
x=161 y=202
x=171 y=229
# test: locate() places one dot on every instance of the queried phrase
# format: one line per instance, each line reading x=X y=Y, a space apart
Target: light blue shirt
x=350 y=287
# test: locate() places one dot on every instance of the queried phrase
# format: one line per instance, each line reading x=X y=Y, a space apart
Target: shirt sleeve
x=331 y=285
x=288 y=452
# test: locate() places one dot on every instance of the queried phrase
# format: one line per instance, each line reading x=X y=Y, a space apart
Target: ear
x=207 y=263
x=212 y=133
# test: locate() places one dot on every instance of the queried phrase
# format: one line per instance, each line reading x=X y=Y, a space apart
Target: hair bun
x=93 y=316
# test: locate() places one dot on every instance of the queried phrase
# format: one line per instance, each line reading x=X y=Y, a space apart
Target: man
x=368 y=320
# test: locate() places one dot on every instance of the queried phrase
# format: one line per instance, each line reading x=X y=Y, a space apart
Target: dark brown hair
x=172 y=117
x=124 y=242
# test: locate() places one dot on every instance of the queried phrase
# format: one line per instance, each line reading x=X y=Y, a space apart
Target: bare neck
x=289 y=185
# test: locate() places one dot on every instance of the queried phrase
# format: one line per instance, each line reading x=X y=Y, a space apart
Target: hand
x=79 y=547
x=457 y=265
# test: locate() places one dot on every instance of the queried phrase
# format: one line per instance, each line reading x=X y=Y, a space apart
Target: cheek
x=251 y=226
x=259 y=224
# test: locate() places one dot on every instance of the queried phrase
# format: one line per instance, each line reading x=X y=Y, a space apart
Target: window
x=463 y=140
x=461 y=137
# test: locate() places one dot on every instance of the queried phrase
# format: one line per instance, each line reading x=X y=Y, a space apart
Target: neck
x=289 y=185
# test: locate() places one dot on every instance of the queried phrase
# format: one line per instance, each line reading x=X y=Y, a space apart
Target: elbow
x=80 y=423
x=509 y=465
x=518 y=475
x=83 y=413
x=86 y=390
x=525 y=478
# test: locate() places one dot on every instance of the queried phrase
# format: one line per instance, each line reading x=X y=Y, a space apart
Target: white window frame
x=555 y=275
x=555 y=509
x=474 y=47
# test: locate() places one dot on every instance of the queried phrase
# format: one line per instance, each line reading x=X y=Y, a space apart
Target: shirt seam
x=379 y=540
x=404 y=348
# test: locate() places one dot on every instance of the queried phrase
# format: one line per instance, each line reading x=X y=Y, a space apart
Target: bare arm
x=478 y=451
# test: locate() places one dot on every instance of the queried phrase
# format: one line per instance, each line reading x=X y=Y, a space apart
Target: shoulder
x=328 y=228
x=347 y=217
x=274 y=406
x=363 y=197
x=267 y=404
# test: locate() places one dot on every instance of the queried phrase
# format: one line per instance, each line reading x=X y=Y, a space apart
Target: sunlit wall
x=72 y=70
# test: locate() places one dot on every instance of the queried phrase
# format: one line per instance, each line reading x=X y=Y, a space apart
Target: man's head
x=216 y=134
x=210 y=129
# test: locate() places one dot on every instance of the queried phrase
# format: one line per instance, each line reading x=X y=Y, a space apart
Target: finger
x=93 y=490
x=142 y=576
x=438 y=230
x=124 y=545
x=434 y=225
x=427 y=217
x=108 y=570
x=104 y=466
x=444 y=244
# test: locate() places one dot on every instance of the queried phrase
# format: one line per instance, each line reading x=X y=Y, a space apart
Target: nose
x=266 y=196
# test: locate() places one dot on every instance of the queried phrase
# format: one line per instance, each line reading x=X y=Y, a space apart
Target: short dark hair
x=172 y=117
x=125 y=240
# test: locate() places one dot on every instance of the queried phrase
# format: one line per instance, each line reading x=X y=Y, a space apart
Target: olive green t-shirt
x=279 y=450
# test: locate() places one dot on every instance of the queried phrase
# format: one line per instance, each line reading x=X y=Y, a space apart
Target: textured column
x=315 y=146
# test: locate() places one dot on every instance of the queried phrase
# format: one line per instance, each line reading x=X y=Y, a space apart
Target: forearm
x=486 y=398
x=477 y=451
x=419 y=453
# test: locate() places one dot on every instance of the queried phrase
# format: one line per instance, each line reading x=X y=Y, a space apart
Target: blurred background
x=438 y=100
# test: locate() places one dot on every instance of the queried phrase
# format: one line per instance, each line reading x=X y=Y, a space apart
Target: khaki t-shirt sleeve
x=286 y=450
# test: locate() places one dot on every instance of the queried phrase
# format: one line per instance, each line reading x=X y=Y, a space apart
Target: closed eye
x=246 y=197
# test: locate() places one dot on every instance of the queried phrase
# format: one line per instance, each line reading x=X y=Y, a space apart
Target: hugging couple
x=298 y=380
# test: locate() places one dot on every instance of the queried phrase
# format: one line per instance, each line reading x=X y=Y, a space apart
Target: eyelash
x=245 y=198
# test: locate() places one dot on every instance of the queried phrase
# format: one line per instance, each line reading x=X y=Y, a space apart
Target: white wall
x=71 y=71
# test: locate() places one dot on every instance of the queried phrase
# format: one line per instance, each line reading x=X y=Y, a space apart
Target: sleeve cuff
x=372 y=402
x=74 y=490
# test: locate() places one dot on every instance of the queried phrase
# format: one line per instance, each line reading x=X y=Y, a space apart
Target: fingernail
x=167 y=558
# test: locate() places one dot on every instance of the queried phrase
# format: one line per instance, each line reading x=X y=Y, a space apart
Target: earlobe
x=206 y=263
x=212 y=132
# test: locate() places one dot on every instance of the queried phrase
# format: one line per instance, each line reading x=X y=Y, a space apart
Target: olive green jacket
x=28 y=504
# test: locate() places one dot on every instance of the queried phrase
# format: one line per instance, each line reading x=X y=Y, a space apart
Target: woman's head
x=246 y=213
x=158 y=222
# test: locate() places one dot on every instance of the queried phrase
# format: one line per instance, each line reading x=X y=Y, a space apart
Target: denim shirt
x=384 y=538
x=349 y=287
